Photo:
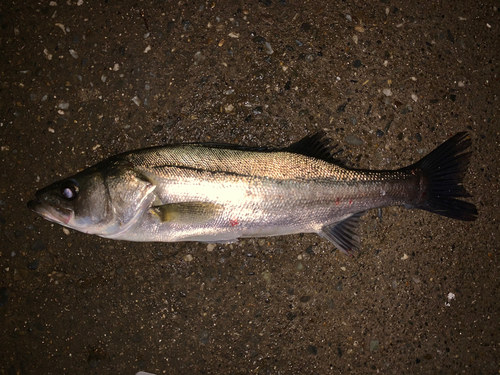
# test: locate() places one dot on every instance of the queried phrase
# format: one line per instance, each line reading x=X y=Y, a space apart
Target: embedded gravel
x=387 y=80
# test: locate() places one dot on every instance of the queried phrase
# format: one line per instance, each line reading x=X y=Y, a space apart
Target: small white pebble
x=359 y=29
x=53 y=4
x=233 y=35
x=116 y=67
x=299 y=257
x=66 y=231
x=63 y=105
x=103 y=78
x=355 y=38
x=268 y=48
x=61 y=26
x=188 y=258
x=451 y=296
x=210 y=247
x=47 y=54
x=348 y=17
x=96 y=147
x=147 y=49
x=387 y=92
x=228 y=108
x=73 y=53
x=136 y=101
x=461 y=84
x=405 y=257
x=343 y=268
x=79 y=3
x=414 y=97
x=198 y=58
x=51 y=130
x=385 y=63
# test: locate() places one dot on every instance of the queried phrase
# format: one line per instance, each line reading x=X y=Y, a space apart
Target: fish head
x=99 y=200
x=78 y=202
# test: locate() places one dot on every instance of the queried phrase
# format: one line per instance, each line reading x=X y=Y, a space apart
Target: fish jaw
x=58 y=215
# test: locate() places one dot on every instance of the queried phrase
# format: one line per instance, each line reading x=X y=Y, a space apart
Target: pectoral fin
x=343 y=234
x=187 y=212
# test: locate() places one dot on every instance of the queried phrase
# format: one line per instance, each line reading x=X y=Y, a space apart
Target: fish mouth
x=58 y=215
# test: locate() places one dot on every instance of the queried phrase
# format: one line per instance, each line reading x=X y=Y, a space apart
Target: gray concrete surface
x=387 y=80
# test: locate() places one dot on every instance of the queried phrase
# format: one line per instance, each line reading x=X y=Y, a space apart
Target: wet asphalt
x=386 y=80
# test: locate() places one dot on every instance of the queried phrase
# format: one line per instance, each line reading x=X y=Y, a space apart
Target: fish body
x=217 y=193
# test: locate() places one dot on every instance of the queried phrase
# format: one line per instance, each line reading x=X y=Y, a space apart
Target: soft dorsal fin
x=316 y=146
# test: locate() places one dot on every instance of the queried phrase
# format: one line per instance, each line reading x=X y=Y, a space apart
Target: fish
x=217 y=193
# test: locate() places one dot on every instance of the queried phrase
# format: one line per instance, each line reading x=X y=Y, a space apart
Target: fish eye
x=69 y=190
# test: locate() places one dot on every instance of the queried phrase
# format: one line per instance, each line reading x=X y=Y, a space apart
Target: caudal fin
x=444 y=170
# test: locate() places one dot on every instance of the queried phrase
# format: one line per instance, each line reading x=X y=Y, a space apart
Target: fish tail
x=443 y=171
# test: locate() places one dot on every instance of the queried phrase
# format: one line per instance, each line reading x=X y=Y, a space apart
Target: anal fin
x=343 y=234
x=187 y=212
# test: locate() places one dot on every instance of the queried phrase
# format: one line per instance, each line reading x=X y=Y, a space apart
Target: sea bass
x=220 y=193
